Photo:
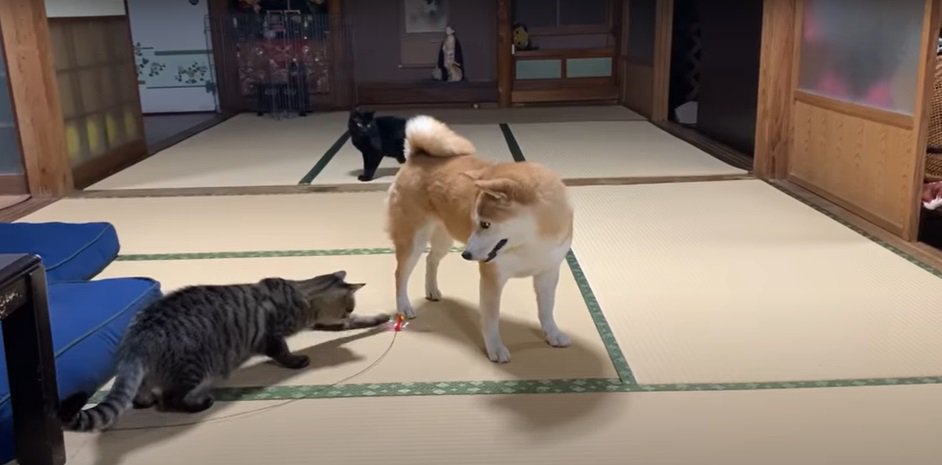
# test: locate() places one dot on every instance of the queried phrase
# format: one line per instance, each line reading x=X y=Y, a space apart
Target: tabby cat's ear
x=341 y=275
x=355 y=286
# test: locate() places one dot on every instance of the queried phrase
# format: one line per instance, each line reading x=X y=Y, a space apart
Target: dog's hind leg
x=410 y=242
x=545 y=286
x=440 y=244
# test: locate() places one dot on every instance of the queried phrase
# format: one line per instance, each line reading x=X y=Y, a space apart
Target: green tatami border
x=557 y=386
x=512 y=144
x=325 y=159
x=626 y=383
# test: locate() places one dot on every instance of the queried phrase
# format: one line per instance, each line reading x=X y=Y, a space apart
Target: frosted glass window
x=11 y=160
x=588 y=67
x=539 y=69
x=862 y=51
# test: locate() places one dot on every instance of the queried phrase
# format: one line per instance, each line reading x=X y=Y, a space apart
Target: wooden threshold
x=718 y=150
x=921 y=253
x=24 y=208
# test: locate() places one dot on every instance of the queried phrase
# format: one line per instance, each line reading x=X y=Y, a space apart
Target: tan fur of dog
x=514 y=219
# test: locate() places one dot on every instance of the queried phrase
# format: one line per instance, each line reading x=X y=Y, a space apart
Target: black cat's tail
x=428 y=136
x=128 y=378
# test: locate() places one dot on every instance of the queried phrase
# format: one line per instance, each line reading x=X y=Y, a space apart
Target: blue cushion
x=88 y=320
x=70 y=251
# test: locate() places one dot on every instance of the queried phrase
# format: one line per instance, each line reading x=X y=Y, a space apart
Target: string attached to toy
x=396 y=327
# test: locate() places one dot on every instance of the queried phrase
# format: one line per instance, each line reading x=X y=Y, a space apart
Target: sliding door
x=98 y=87
x=858 y=112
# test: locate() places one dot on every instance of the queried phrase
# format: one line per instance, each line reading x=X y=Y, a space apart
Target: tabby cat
x=175 y=348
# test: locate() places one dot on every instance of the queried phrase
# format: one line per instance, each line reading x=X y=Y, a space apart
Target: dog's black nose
x=466 y=255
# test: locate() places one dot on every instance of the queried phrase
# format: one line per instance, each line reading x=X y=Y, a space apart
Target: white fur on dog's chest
x=532 y=259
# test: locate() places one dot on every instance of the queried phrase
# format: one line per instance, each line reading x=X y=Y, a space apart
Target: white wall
x=172 y=34
x=71 y=8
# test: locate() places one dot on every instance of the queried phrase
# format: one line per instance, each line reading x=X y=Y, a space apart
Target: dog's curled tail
x=429 y=136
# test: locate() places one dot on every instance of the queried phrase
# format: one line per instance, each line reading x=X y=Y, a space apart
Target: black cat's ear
x=355 y=286
x=341 y=275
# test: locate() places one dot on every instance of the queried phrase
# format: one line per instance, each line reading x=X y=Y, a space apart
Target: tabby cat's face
x=331 y=298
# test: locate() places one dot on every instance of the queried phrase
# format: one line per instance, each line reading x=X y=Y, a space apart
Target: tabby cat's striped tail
x=128 y=378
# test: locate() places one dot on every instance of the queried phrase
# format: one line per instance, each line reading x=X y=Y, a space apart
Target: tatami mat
x=233 y=223
x=874 y=426
x=737 y=282
x=348 y=163
x=246 y=150
x=442 y=344
x=614 y=149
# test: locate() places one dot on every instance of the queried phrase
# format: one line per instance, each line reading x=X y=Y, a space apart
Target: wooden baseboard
x=426 y=92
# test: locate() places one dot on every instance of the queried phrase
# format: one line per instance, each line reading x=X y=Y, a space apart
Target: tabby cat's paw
x=295 y=362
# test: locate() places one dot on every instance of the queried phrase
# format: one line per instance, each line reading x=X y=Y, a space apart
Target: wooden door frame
x=34 y=92
x=663 y=40
x=781 y=28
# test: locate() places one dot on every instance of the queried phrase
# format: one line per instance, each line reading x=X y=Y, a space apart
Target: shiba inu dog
x=515 y=220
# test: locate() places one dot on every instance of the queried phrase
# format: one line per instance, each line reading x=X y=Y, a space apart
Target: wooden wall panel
x=855 y=162
x=35 y=95
x=639 y=80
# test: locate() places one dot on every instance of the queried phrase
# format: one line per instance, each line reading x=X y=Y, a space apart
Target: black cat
x=376 y=137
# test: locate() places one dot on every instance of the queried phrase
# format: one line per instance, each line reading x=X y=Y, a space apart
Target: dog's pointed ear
x=501 y=189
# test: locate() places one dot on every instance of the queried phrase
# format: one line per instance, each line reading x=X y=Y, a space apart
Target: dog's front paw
x=406 y=311
x=433 y=294
x=364 y=178
x=498 y=353
x=558 y=339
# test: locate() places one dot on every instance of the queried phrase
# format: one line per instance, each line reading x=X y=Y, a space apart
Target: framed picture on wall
x=425 y=16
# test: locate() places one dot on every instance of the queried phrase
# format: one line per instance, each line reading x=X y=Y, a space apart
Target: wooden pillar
x=617 y=26
x=505 y=62
x=35 y=94
x=664 y=30
x=224 y=57
x=342 y=94
x=777 y=65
